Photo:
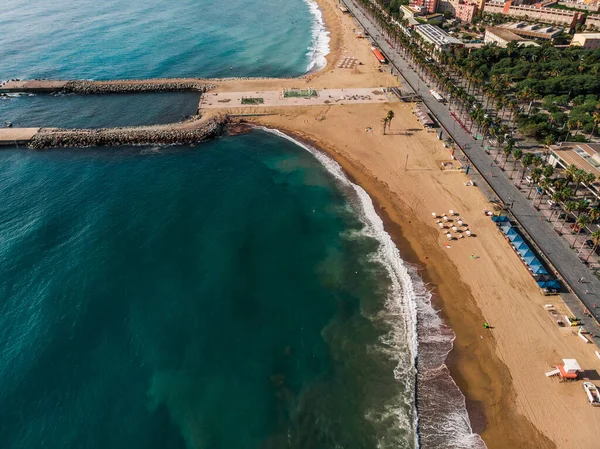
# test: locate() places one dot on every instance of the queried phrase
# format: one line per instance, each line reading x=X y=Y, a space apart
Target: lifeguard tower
x=567 y=370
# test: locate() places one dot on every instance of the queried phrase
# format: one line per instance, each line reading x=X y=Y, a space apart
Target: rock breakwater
x=112 y=87
x=179 y=133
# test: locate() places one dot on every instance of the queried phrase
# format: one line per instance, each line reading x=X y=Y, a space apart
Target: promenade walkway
x=555 y=249
x=224 y=100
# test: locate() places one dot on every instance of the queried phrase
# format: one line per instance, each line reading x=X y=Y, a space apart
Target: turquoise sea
x=237 y=294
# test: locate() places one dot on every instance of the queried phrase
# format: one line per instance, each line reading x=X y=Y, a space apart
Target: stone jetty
x=85 y=87
x=113 y=87
x=186 y=132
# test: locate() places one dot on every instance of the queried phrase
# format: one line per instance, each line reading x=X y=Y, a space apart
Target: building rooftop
x=588 y=35
x=533 y=30
x=436 y=35
x=585 y=156
x=504 y=34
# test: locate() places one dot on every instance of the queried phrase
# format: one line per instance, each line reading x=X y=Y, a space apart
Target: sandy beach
x=475 y=280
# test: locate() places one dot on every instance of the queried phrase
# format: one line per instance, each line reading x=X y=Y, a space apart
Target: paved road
x=555 y=249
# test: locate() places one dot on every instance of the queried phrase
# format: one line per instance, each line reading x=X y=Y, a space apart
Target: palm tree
x=596 y=119
x=582 y=206
x=570 y=206
x=526 y=161
x=582 y=221
x=517 y=155
x=536 y=175
x=390 y=116
x=548 y=171
x=507 y=150
x=596 y=239
x=385 y=121
x=578 y=178
x=543 y=185
x=570 y=173
x=594 y=213
x=556 y=197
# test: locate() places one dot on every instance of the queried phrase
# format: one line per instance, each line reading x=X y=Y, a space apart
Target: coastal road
x=555 y=249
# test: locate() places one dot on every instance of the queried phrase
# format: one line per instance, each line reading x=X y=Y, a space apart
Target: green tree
x=595 y=237
x=517 y=155
x=390 y=116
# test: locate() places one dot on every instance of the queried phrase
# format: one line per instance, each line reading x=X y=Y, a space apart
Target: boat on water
x=592 y=393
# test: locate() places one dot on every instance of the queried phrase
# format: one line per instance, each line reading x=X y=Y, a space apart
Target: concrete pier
x=17 y=136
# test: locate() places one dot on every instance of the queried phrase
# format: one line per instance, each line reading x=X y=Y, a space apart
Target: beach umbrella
x=434 y=215
x=460 y=222
x=451 y=212
x=449 y=236
x=441 y=225
x=468 y=233
x=454 y=228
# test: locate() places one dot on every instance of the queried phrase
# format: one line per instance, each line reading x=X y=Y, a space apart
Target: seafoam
x=441 y=419
x=319 y=47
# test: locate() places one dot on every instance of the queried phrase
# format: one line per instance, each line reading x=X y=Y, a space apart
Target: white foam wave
x=319 y=47
x=417 y=323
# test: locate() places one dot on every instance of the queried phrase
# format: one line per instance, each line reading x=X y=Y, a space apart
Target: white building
x=439 y=38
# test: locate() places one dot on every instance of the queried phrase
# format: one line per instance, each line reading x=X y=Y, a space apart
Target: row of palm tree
x=468 y=93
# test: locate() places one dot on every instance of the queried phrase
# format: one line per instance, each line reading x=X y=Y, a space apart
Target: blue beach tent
x=539 y=270
x=518 y=240
x=512 y=234
x=530 y=260
x=520 y=245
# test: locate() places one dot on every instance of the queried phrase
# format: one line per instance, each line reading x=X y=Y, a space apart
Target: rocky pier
x=83 y=87
x=192 y=131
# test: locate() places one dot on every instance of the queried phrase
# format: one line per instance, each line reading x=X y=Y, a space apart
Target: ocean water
x=233 y=294
x=118 y=39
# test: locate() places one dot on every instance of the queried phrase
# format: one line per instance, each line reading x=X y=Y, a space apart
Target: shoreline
x=483 y=380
